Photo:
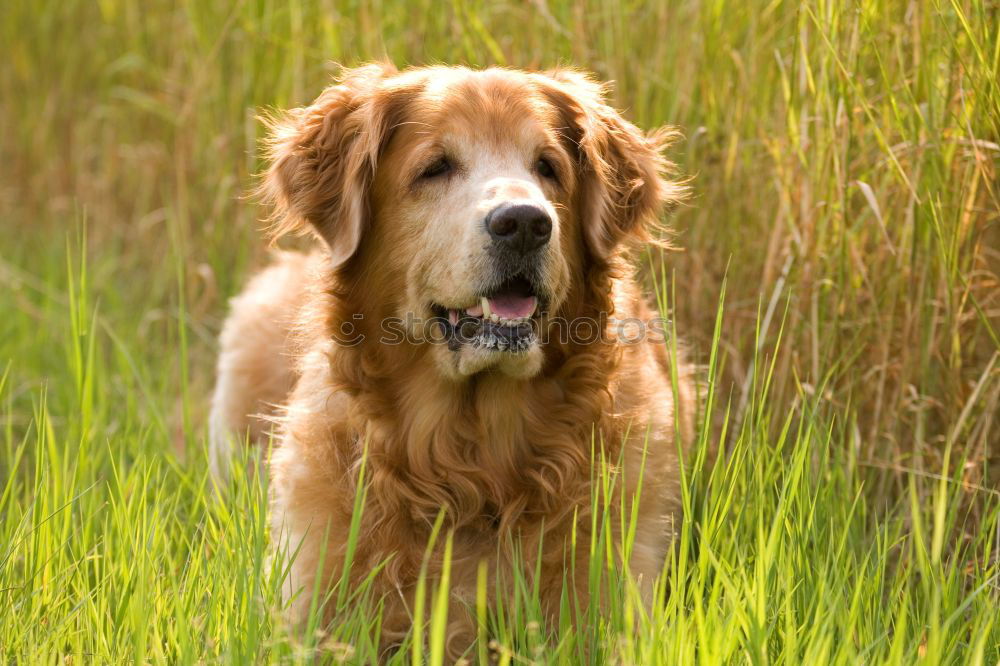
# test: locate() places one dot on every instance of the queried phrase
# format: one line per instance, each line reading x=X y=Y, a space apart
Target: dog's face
x=472 y=202
x=477 y=184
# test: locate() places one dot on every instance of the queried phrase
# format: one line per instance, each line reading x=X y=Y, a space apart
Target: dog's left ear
x=322 y=159
x=623 y=170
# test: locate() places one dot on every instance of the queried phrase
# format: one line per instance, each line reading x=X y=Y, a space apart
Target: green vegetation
x=846 y=214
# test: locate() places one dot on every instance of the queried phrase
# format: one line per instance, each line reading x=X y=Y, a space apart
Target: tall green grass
x=838 y=280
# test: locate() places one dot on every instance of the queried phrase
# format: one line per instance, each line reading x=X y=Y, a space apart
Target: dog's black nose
x=519 y=227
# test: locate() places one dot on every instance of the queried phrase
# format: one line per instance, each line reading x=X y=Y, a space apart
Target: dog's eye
x=545 y=169
x=437 y=168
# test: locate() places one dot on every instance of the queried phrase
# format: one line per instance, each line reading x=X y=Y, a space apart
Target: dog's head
x=475 y=200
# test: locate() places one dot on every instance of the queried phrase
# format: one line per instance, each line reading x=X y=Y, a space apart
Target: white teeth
x=487 y=314
x=497 y=319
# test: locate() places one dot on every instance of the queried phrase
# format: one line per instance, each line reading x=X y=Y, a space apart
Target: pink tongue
x=510 y=306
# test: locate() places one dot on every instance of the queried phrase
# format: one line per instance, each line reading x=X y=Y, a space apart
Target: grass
x=838 y=279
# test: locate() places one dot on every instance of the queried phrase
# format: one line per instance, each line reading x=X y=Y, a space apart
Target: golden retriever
x=457 y=331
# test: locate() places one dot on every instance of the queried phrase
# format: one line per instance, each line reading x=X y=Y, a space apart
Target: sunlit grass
x=838 y=282
x=115 y=550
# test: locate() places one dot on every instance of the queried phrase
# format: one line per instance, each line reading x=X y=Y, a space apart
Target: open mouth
x=502 y=320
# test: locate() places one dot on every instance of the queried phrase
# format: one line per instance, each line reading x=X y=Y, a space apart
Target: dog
x=468 y=222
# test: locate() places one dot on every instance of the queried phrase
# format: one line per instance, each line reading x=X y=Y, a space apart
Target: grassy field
x=846 y=215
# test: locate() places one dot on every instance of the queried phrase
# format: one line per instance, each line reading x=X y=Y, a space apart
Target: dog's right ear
x=322 y=159
x=624 y=181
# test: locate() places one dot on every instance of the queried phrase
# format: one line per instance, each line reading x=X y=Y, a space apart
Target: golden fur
x=501 y=442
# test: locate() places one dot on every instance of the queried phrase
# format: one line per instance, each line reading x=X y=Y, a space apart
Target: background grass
x=844 y=158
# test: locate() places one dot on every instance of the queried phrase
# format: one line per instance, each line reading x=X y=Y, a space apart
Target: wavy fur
x=507 y=458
